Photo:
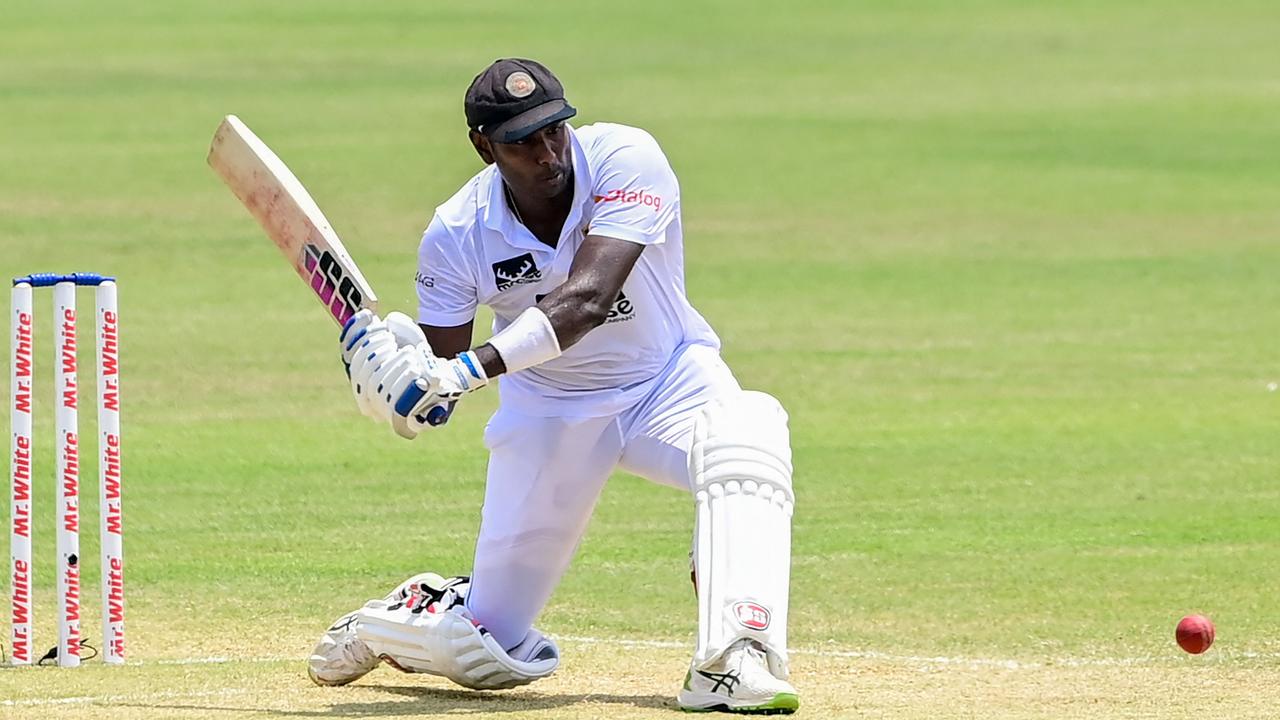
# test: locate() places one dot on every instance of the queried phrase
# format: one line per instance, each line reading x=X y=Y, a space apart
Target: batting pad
x=740 y=465
x=448 y=644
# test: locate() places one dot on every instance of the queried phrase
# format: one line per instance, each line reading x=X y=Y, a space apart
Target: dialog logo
x=639 y=197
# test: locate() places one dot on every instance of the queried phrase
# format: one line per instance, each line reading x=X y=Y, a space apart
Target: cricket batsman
x=572 y=236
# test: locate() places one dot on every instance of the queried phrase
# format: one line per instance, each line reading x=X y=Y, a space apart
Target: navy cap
x=514 y=98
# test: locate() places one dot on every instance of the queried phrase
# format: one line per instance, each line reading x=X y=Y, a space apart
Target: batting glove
x=429 y=399
x=366 y=342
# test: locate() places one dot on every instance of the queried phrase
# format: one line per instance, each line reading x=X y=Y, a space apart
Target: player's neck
x=543 y=217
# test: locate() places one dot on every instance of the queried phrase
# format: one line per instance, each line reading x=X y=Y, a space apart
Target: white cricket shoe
x=340 y=657
x=740 y=682
x=431 y=588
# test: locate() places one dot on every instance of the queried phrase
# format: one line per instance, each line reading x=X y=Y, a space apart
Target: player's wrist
x=470 y=372
x=490 y=360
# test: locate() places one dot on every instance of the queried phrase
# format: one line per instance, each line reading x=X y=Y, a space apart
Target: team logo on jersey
x=639 y=197
x=519 y=270
x=622 y=309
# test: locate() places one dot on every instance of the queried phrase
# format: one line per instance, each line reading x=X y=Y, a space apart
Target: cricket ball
x=1194 y=633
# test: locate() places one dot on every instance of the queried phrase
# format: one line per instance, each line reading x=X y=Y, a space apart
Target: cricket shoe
x=340 y=657
x=739 y=682
x=431 y=591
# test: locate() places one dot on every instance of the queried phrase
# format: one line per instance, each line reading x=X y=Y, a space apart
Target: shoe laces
x=750 y=649
x=751 y=663
x=421 y=596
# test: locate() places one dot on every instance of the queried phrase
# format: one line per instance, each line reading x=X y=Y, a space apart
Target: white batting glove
x=366 y=324
x=366 y=342
x=429 y=398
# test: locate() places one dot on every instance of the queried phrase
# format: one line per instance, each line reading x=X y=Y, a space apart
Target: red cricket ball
x=1194 y=633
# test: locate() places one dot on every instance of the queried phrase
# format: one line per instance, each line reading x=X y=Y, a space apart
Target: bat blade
x=291 y=218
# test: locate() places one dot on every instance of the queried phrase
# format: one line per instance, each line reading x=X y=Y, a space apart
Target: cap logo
x=520 y=85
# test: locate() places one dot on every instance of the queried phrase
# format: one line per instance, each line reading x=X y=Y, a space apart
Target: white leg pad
x=449 y=644
x=740 y=467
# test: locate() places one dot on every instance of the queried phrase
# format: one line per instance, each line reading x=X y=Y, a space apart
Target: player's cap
x=513 y=98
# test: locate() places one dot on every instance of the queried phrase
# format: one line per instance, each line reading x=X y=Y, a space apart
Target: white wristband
x=529 y=340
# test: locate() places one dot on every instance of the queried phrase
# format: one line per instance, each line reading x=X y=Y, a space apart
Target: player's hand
x=429 y=399
x=382 y=375
x=365 y=342
x=366 y=325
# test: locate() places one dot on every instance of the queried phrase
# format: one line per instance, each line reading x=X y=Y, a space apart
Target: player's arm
x=600 y=267
x=420 y=388
x=640 y=197
x=448 y=342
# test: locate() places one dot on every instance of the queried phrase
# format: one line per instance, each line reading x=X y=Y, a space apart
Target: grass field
x=1010 y=265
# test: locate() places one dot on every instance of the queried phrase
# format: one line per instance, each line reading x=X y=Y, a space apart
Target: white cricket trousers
x=546 y=473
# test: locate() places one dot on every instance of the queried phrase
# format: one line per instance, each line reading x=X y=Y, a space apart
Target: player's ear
x=481 y=143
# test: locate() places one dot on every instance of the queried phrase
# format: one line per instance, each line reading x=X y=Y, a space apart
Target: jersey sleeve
x=636 y=193
x=446 y=290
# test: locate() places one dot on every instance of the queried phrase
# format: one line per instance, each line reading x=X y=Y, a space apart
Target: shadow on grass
x=431 y=702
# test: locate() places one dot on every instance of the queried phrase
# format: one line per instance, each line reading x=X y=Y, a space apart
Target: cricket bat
x=292 y=220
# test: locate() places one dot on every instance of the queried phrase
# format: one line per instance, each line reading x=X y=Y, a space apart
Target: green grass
x=1009 y=265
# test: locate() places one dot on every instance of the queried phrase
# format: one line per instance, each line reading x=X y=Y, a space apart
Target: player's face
x=538 y=166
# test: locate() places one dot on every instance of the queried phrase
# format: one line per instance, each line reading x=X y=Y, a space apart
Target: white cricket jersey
x=475 y=252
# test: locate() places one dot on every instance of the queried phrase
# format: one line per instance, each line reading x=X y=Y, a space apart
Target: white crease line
x=90 y=700
x=854 y=654
x=211 y=660
x=215 y=660
x=927 y=660
x=619 y=642
x=939 y=660
x=622 y=642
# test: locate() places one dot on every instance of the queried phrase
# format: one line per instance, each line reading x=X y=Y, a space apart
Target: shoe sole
x=327 y=643
x=780 y=704
x=329 y=683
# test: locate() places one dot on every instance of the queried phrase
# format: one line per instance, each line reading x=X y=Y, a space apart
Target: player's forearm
x=575 y=310
x=563 y=317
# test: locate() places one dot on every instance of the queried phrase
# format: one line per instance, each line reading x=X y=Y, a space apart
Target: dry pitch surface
x=616 y=680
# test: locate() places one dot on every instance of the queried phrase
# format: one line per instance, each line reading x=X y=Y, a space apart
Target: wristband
x=529 y=340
